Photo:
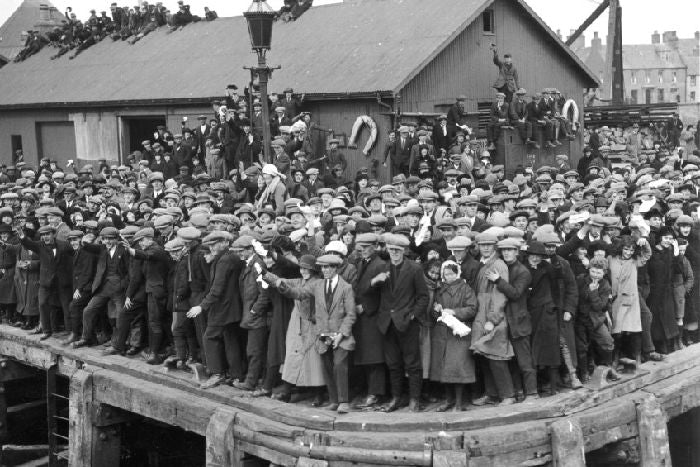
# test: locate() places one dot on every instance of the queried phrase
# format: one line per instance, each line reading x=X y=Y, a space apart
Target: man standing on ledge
x=403 y=304
x=507 y=81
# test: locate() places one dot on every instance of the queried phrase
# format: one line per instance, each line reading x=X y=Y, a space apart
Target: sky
x=640 y=18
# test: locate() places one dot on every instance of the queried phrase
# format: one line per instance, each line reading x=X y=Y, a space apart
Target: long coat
x=494 y=344
x=222 y=301
x=451 y=360
x=565 y=296
x=302 y=363
x=403 y=298
x=27 y=282
x=370 y=342
x=625 y=309
x=661 y=304
x=281 y=308
x=255 y=298
x=545 y=319
x=516 y=290
x=8 y=259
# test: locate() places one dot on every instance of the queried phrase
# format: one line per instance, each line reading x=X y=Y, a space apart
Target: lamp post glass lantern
x=260 y=17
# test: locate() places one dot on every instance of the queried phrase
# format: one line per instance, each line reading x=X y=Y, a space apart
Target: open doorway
x=137 y=129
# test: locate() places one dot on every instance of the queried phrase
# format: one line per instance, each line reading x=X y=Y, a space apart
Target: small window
x=648 y=79
x=675 y=77
x=692 y=96
x=488 y=23
x=678 y=98
x=674 y=90
x=694 y=80
x=660 y=95
x=634 y=97
x=633 y=78
x=661 y=77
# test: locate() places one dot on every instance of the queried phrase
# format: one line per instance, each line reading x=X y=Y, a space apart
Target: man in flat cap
x=498 y=119
x=402 y=307
x=507 y=81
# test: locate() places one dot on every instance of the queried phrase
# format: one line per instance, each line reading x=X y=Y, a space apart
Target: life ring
x=570 y=108
x=357 y=126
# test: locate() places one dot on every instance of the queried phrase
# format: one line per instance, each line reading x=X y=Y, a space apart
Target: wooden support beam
x=106 y=415
x=106 y=445
x=593 y=16
x=567 y=444
x=221 y=448
x=80 y=425
x=653 y=434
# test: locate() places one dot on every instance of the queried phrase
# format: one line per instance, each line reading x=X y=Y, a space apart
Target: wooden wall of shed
x=24 y=124
x=339 y=116
x=466 y=66
x=96 y=135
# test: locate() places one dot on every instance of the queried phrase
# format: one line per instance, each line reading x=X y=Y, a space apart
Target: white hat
x=338 y=247
x=270 y=169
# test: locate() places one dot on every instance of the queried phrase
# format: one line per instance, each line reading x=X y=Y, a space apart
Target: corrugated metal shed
x=353 y=47
x=26 y=16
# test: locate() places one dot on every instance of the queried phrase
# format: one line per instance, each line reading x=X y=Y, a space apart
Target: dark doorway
x=139 y=129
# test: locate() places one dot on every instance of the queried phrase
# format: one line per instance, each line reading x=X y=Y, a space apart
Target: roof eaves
x=444 y=44
x=566 y=48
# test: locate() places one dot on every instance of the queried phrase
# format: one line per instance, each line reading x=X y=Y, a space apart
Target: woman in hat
x=302 y=364
x=274 y=191
x=451 y=361
x=664 y=325
x=26 y=280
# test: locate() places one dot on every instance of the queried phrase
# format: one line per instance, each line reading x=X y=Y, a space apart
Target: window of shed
x=488 y=22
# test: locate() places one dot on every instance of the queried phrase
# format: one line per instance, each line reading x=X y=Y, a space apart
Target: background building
x=383 y=58
x=665 y=70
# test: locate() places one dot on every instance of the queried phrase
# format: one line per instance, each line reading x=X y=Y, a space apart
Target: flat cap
x=46 y=229
x=366 y=238
x=329 y=260
x=509 y=243
x=486 y=238
x=75 y=234
x=189 y=233
x=174 y=245
x=460 y=242
x=217 y=236
x=143 y=233
x=395 y=240
x=109 y=232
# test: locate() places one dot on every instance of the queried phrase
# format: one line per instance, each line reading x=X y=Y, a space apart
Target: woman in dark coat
x=451 y=360
x=27 y=280
x=545 y=322
x=8 y=258
x=664 y=327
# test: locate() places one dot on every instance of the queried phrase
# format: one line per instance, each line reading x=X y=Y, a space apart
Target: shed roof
x=378 y=45
x=650 y=56
x=26 y=16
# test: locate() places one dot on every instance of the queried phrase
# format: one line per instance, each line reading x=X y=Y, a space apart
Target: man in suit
x=108 y=286
x=334 y=312
x=498 y=118
x=201 y=133
x=369 y=354
x=519 y=118
x=156 y=264
x=507 y=80
x=547 y=113
x=403 y=304
x=256 y=307
x=249 y=146
x=291 y=103
x=55 y=276
x=278 y=120
x=223 y=307
x=83 y=271
x=401 y=153
x=442 y=135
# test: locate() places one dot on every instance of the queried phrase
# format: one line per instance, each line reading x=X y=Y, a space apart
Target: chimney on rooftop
x=596 y=43
x=656 y=38
x=671 y=39
x=580 y=41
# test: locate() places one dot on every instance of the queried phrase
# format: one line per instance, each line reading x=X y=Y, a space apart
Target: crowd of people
x=453 y=283
x=122 y=23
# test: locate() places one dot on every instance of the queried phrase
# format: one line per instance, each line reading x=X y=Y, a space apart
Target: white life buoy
x=357 y=126
x=570 y=108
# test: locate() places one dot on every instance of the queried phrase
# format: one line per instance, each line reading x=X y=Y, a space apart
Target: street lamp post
x=260 y=17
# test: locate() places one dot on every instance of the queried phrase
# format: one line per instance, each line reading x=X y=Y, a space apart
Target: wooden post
x=567 y=444
x=222 y=450
x=80 y=426
x=653 y=434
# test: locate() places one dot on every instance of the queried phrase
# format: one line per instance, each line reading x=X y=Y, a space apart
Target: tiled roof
x=27 y=16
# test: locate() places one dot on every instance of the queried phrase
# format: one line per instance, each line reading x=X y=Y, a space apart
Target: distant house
x=37 y=15
x=665 y=70
x=379 y=58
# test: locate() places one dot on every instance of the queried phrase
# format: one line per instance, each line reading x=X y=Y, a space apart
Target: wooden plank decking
x=550 y=431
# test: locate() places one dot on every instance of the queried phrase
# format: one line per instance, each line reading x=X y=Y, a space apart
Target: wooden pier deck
x=628 y=416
